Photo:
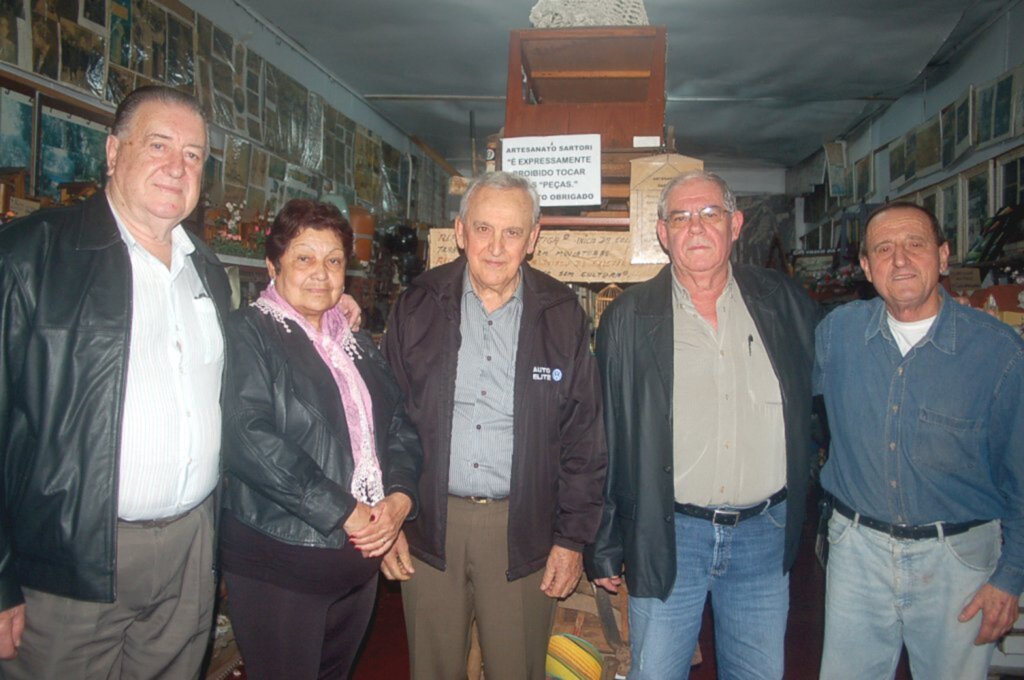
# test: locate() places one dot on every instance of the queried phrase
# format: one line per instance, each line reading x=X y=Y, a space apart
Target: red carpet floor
x=385 y=656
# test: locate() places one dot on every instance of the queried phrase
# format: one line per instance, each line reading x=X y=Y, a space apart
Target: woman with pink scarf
x=322 y=461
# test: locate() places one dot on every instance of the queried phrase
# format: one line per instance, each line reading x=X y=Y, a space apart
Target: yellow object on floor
x=572 y=658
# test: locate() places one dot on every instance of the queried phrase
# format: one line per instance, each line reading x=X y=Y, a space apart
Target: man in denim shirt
x=925 y=400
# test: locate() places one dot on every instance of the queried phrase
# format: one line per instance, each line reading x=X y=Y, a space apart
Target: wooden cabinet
x=587 y=80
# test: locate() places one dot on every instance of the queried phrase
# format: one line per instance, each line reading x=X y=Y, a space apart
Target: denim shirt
x=936 y=435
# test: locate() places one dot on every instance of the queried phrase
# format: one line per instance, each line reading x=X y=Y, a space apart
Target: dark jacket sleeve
x=403 y=457
x=584 y=453
x=13 y=321
x=255 y=450
x=605 y=557
x=391 y=345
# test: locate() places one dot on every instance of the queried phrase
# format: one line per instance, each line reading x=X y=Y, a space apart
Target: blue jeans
x=883 y=592
x=741 y=567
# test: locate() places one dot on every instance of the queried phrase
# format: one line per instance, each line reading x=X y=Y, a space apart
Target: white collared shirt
x=171 y=421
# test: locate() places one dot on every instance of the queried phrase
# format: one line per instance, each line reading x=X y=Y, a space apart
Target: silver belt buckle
x=729 y=518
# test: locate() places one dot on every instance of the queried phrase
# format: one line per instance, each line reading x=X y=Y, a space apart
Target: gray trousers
x=158 y=627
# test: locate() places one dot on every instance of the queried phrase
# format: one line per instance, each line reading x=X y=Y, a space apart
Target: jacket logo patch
x=548 y=374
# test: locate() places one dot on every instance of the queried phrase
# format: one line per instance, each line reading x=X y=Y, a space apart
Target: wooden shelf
x=606 y=80
x=581 y=222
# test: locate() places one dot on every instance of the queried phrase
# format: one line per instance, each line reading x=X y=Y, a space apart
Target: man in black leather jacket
x=706 y=373
x=84 y=590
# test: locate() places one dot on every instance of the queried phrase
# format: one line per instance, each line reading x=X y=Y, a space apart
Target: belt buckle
x=729 y=518
x=479 y=500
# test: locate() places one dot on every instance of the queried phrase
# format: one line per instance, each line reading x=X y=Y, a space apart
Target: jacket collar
x=658 y=298
x=754 y=286
x=942 y=334
x=97 y=228
x=445 y=282
x=654 y=315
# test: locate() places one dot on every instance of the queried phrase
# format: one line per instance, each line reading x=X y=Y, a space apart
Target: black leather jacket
x=634 y=351
x=65 y=325
x=558 y=458
x=286 y=442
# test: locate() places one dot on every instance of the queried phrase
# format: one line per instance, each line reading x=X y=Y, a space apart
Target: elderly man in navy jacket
x=494 y=359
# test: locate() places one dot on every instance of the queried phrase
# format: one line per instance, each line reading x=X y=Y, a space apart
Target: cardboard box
x=964 y=279
x=648 y=176
x=1015 y=319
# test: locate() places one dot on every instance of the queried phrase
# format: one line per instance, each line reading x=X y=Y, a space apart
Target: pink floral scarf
x=338 y=348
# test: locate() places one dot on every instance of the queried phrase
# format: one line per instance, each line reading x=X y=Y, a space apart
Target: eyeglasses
x=709 y=215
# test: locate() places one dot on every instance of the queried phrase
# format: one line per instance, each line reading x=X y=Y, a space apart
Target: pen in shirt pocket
x=750 y=345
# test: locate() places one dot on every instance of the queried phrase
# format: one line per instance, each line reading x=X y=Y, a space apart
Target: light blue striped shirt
x=481 y=449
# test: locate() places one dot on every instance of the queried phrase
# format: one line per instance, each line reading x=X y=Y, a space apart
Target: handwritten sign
x=568 y=255
x=566 y=169
x=648 y=176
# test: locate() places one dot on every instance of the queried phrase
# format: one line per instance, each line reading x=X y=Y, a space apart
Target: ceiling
x=749 y=83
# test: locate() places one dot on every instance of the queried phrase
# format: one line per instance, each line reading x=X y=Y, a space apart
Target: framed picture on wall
x=1018 y=101
x=993 y=106
x=947 y=134
x=897 y=162
x=949 y=216
x=17 y=114
x=929 y=147
x=863 y=177
x=910 y=155
x=977 y=202
x=71 y=149
x=964 y=122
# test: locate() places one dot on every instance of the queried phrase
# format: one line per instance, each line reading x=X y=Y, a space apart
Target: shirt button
x=895 y=408
x=490 y=323
x=476 y=465
x=892 y=483
x=479 y=427
x=488 y=357
x=667 y=468
x=892 y=446
x=900 y=370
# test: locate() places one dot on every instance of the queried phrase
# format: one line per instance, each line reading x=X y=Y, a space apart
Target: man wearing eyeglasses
x=706 y=372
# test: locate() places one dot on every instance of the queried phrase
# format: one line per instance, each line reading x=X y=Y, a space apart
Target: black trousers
x=282 y=633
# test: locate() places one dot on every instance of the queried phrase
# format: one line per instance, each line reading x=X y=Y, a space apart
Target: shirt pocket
x=947 y=443
x=762 y=384
x=210 y=341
